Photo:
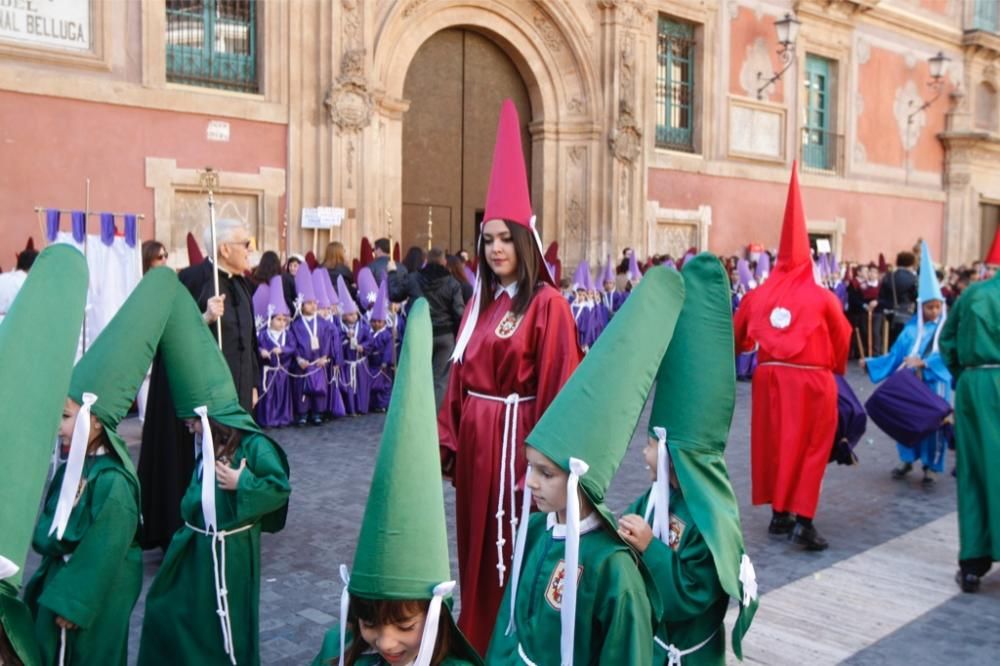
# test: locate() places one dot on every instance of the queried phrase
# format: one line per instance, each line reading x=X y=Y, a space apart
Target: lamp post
x=936 y=66
x=787 y=29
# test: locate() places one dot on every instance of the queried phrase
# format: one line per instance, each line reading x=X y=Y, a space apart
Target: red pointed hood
x=367 y=255
x=882 y=265
x=507 y=197
x=993 y=256
x=794 y=248
x=396 y=254
x=195 y=256
x=311 y=260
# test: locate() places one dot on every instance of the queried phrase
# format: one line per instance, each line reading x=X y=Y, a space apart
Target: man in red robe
x=803 y=338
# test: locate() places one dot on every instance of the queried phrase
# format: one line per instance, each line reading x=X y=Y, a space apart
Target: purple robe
x=354 y=376
x=335 y=399
x=382 y=368
x=309 y=386
x=274 y=407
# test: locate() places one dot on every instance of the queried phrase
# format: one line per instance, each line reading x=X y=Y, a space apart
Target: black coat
x=439 y=287
x=906 y=290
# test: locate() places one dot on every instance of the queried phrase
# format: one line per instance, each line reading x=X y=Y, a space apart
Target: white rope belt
x=334 y=375
x=508 y=454
x=674 y=655
x=221 y=593
x=524 y=657
x=985 y=366
x=782 y=364
x=352 y=380
x=267 y=381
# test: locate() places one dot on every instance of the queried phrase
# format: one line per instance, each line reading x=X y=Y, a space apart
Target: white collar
x=220 y=268
x=588 y=524
x=511 y=290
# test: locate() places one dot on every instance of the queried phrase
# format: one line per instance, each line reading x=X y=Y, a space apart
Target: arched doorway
x=455 y=85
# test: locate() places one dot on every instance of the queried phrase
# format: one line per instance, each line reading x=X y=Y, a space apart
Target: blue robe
x=935 y=375
x=382 y=368
x=309 y=386
x=354 y=376
x=274 y=406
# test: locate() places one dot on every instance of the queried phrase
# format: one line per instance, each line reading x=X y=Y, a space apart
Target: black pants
x=443 y=346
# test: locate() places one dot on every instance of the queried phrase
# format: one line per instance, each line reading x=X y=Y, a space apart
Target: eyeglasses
x=163 y=256
x=245 y=244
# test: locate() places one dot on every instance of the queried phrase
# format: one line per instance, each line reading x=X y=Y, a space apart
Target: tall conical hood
x=367 y=254
x=882 y=265
x=404 y=514
x=319 y=287
x=580 y=278
x=694 y=402
x=195 y=255
x=743 y=271
x=367 y=288
x=276 y=303
x=381 y=307
x=304 y=284
x=930 y=289
x=609 y=272
x=763 y=266
x=634 y=274
x=794 y=248
x=115 y=365
x=38 y=343
x=331 y=293
x=596 y=425
x=261 y=305
x=347 y=304
x=993 y=256
x=507 y=197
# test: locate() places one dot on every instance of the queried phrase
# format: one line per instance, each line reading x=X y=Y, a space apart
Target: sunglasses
x=162 y=256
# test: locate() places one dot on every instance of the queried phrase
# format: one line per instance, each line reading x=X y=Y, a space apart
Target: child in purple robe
x=274 y=406
x=355 y=343
x=311 y=335
x=381 y=356
x=611 y=299
x=329 y=311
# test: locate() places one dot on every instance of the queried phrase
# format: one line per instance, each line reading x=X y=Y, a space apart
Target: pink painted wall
x=744 y=31
x=745 y=211
x=49 y=146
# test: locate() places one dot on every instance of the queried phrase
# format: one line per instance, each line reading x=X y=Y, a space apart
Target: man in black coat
x=166 y=459
x=444 y=298
x=897 y=294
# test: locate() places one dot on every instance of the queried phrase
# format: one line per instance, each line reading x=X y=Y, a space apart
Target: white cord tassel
x=74 y=467
x=748 y=577
x=661 y=489
x=428 y=640
x=7 y=568
x=62 y=646
x=519 y=544
x=207 y=471
x=345 y=606
x=567 y=612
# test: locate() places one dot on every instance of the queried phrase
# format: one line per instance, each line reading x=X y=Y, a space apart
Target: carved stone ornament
x=412 y=8
x=549 y=32
x=349 y=101
x=626 y=141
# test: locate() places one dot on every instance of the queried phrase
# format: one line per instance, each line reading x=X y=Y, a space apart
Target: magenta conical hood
x=347 y=304
x=381 y=307
x=319 y=287
x=304 y=284
x=367 y=288
x=507 y=197
x=277 y=304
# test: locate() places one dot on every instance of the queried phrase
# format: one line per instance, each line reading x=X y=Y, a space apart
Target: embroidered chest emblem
x=554 y=591
x=677 y=527
x=79 y=491
x=508 y=325
x=781 y=318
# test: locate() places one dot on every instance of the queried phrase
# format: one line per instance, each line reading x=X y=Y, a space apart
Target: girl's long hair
x=529 y=267
x=389 y=611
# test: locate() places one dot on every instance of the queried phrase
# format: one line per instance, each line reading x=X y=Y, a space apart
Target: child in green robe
x=203 y=605
x=687 y=525
x=393 y=608
x=91 y=572
x=573 y=576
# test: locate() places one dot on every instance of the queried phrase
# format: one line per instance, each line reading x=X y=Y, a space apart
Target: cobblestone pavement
x=861 y=508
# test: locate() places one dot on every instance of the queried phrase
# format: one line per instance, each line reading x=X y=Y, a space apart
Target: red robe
x=535 y=360
x=794 y=410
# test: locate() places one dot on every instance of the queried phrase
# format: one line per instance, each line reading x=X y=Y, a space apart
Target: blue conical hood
x=930 y=290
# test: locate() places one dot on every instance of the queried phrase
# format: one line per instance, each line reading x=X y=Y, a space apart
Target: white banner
x=64 y=24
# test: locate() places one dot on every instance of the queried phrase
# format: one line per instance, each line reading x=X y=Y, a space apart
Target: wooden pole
x=861 y=349
x=871 y=315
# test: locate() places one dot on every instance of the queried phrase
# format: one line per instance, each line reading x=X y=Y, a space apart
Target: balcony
x=985 y=16
x=821 y=151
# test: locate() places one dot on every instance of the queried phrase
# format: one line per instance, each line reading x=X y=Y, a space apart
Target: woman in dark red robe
x=516 y=348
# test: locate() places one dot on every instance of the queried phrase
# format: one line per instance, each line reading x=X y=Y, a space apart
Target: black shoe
x=930 y=478
x=968 y=582
x=299 y=422
x=901 y=471
x=316 y=420
x=781 y=523
x=807 y=536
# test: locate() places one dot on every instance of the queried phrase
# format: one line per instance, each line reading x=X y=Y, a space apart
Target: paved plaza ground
x=881 y=594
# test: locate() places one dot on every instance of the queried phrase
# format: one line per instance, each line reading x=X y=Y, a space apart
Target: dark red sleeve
x=558 y=348
x=741 y=321
x=448 y=420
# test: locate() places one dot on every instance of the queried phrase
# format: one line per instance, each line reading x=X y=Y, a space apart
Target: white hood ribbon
x=74 y=467
x=7 y=568
x=567 y=613
x=207 y=471
x=522 y=536
x=428 y=640
x=345 y=605
x=748 y=577
x=661 y=489
x=915 y=351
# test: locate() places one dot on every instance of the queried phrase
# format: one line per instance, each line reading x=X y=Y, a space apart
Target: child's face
x=932 y=310
x=68 y=422
x=279 y=322
x=193 y=426
x=351 y=318
x=397 y=643
x=609 y=286
x=649 y=454
x=378 y=324
x=547 y=482
x=309 y=308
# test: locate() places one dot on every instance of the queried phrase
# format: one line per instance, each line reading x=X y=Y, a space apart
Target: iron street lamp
x=788 y=33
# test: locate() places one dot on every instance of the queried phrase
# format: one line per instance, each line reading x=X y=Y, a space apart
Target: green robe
x=329 y=654
x=694 y=603
x=98 y=586
x=613 y=614
x=17 y=625
x=181 y=625
x=971 y=339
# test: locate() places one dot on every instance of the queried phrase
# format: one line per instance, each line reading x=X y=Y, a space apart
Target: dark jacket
x=344 y=272
x=439 y=287
x=378 y=267
x=906 y=290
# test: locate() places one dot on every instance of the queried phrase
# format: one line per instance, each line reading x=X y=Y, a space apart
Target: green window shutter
x=675 y=85
x=817 y=137
x=985 y=15
x=213 y=43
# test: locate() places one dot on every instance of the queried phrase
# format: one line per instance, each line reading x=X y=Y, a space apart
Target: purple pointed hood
x=609 y=272
x=277 y=304
x=319 y=287
x=743 y=271
x=381 y=307
x=763 y=266
x=331 y=291
x=367 y=288
x=304 y=284
x=469 y=275
x=347 y=304
x=634 y=273
x=261 y=299
x=581 y=278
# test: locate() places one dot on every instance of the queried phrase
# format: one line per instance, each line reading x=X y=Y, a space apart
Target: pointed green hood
x=199 y=376
x=114 y=366
x=695 y=396
x=38 y=342
x=595 y=414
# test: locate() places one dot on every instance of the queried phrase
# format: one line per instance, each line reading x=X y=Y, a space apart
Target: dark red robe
x=794 y=411
x=535 y=359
